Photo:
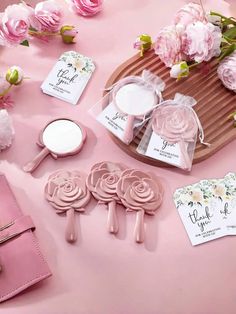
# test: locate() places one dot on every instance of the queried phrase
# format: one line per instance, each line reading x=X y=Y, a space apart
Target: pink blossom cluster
x=18 y=19
x=190 y=38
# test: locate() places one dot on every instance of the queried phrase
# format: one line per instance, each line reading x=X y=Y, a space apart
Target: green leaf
x=230 y=33
x=227 y=51
x=32 y=29
x=25 y=43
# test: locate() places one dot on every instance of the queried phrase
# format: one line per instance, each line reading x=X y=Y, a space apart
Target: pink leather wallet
x=21 y=262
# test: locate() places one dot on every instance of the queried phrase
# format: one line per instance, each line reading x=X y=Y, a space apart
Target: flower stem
x=193 y=65
x=6 y=91
x=31 y=32
x=228 y=19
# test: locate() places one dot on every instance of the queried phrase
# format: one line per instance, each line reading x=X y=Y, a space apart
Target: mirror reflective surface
x=62 y=136
x=135 y=100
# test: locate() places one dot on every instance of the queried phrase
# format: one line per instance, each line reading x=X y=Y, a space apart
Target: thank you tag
x=201 y=217
x=69 y=77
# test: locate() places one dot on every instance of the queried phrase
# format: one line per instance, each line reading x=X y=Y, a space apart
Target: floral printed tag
x=69 y=77
x=208 y=206
x=200 y=217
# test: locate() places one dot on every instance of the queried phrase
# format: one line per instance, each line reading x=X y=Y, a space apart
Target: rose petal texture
x=168 y=46
x=175 y=123
x=49 y=15
x=201 y=42
x=67 y=189
x=188 y=14
x=227 y=72
x=102 y=181
x=86 y=7
x=14 y=25
x=139 y=191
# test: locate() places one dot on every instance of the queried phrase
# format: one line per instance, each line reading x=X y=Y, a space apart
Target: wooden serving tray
x=215 y=103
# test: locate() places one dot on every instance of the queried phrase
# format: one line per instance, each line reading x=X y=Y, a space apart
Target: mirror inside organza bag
x=172 y=132
x=127 y=105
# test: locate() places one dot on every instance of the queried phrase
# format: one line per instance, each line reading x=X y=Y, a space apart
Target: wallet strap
x=15 y=228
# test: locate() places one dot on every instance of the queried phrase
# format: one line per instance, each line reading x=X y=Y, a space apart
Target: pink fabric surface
x=101 y=273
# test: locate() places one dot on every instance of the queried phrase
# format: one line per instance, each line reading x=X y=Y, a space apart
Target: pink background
x=101 y=273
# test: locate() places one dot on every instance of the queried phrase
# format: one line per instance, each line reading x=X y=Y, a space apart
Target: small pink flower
x=14 y=25
x=227 y=72
x=86 y=7
x=188 y=14
x=168 y=46
x=201 y=42
x=49 y=15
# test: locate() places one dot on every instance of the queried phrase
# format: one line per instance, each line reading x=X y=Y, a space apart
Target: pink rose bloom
x=168 y=46
x=227 y=72
x=86 y=7
x=49 y=15
x=188 y=14
x=201 y=42
x=14 y=24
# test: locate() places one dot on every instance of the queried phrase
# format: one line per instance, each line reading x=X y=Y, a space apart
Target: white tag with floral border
x=201 y=217
x=69 y=77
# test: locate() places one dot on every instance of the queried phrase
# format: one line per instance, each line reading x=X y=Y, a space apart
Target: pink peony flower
x=86 y=7
x=14 y=25
x=227 y=72
x=188 y=14
x=49 y=15
x=201 y=42
x=168 y=46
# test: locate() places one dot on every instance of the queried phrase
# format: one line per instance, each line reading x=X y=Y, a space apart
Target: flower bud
x=143 y=43
x=14 y=75
x=179 y=70
x=68 y=34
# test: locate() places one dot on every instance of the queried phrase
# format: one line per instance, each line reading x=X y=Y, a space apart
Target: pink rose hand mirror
x=67 y=192
x=102 y=182
x=60 y=138
x=177 y=122
x=137 y=96
x=142 y=193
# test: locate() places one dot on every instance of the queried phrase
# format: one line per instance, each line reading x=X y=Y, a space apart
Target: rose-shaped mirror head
x=60 y=138
x=67 y=192
x=139 y=192
x=101 y=182
x=176 y=124
x=136 y=96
